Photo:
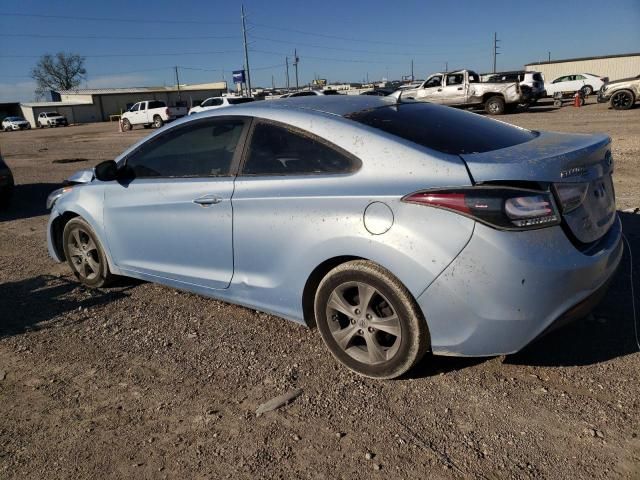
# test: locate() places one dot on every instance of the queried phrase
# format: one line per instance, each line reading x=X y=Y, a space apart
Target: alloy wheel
x=84 y=254
x=363 y=323
x=621 y=100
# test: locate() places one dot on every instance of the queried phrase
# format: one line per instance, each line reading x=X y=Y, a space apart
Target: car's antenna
x=397 y=95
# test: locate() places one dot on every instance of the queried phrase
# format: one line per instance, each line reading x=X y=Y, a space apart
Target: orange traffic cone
x=577 y=100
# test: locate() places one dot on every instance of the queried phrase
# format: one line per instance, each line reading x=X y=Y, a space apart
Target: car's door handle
x=208 y=200
x=459 y=88
x=439 y=89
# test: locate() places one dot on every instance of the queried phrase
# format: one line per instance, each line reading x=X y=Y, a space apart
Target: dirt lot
x=141 y=381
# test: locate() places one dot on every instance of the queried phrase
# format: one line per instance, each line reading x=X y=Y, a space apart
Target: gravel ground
x=143 y=381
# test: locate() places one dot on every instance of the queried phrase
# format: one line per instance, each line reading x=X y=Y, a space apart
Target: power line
x=344 y=60
x=117 y=37
x=336 y=37
x=115 y=19
x=155 y=54
x=355 y=50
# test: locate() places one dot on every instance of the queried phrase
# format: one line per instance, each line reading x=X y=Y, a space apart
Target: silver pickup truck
x=463 y=88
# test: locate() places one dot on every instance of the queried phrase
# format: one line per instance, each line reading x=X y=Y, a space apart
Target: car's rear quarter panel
x=284 y=227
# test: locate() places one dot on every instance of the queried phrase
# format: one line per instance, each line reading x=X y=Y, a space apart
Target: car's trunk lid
x=558 y=158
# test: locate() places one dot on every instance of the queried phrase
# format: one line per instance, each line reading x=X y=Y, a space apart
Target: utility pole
x=178 y=84
x=273 y=83
x=412 y=69
x=495 y=50
x=286 y=62
x=246 y=53
x=549 y=56
x=295 y=64
x=446 y=66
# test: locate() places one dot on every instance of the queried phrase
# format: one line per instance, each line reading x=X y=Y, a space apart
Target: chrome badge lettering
x=573 y=172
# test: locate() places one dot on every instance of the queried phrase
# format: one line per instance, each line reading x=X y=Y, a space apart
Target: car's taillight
x=166 y=111
x=571 y=195
x=500 y=207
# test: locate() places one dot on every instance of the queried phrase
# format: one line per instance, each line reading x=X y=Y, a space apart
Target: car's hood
x=550 y=157
x=81 y=176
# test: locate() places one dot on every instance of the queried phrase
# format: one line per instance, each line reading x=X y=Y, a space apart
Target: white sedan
x=219 y=102
x=586 y=82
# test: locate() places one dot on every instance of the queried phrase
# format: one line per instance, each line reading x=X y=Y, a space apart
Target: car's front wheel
x=369 y=320
x=85 y=254
x=622 y=100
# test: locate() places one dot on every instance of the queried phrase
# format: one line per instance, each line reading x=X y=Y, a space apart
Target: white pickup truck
x=463 y=88
x=151 y=113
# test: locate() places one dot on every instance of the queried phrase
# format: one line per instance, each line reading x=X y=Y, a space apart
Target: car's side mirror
x=106 y=171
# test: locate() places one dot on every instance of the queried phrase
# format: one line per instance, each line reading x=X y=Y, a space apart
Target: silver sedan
x=395 y=228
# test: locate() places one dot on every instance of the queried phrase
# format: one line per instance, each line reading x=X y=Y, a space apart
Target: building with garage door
x=102 y=104
x=613 y=66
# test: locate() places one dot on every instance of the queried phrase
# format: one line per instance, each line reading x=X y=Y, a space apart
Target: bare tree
x=59 y=72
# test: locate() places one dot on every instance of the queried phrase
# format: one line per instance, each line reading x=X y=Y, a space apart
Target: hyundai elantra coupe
x=395 y=227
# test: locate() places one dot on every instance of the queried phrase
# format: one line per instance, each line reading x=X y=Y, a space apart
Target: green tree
x=58 y=72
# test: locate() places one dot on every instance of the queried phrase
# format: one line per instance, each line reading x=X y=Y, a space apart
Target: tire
x=622 y=100
x=40 y=125
x=126 y=125
x=353 y=330
x=157 y=121
x=494 y=105
x=587 y=90
x=85 y=254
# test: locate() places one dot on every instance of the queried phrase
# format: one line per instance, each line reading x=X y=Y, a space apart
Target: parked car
x=533 y=81
x=15 y=123
x=151 y=113
x=51 y=119
x=380 y=92
x=219 y=102
x=585 y=82
x=6 y=183
x=462 y=88
x=621 y=94
x=396 y=228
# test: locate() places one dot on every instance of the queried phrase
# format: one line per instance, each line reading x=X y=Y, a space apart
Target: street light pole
x=246 y=53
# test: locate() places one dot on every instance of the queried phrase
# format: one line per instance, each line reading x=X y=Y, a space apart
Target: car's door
x=133 y=114
x=431 y=89
x=174 y=219
x=454 y=90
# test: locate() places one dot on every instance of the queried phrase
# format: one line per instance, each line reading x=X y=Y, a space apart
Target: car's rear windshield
x=537 y=77
x=236 y=101
x=444 y=129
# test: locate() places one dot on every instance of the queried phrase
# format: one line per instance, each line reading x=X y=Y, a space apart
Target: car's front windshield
x=52 y=114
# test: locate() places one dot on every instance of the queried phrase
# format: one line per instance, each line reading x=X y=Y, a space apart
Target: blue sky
x=135 y=43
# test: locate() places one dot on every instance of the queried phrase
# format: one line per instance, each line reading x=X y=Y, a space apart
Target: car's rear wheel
x=587 y=90
x=157 y=121
x=494 y=106
x=622 y=100
x=369 y=320
x=126 y=125
x=85 y=254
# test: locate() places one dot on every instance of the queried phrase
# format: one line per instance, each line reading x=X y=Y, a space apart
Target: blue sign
x=238 y=76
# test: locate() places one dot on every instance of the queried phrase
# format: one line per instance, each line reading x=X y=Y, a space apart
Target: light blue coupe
x=395 y=227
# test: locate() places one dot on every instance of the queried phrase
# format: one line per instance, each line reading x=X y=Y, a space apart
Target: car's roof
x=333 y=104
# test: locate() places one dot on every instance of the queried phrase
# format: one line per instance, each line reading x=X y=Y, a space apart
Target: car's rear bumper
x=507 y=288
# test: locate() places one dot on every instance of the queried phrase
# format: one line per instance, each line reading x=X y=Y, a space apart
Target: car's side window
x=216 y=102
x=197 y=149
x=433 y=82
x=580 y=77
x=455 y=79
x=278 y=150
x=206 y=103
